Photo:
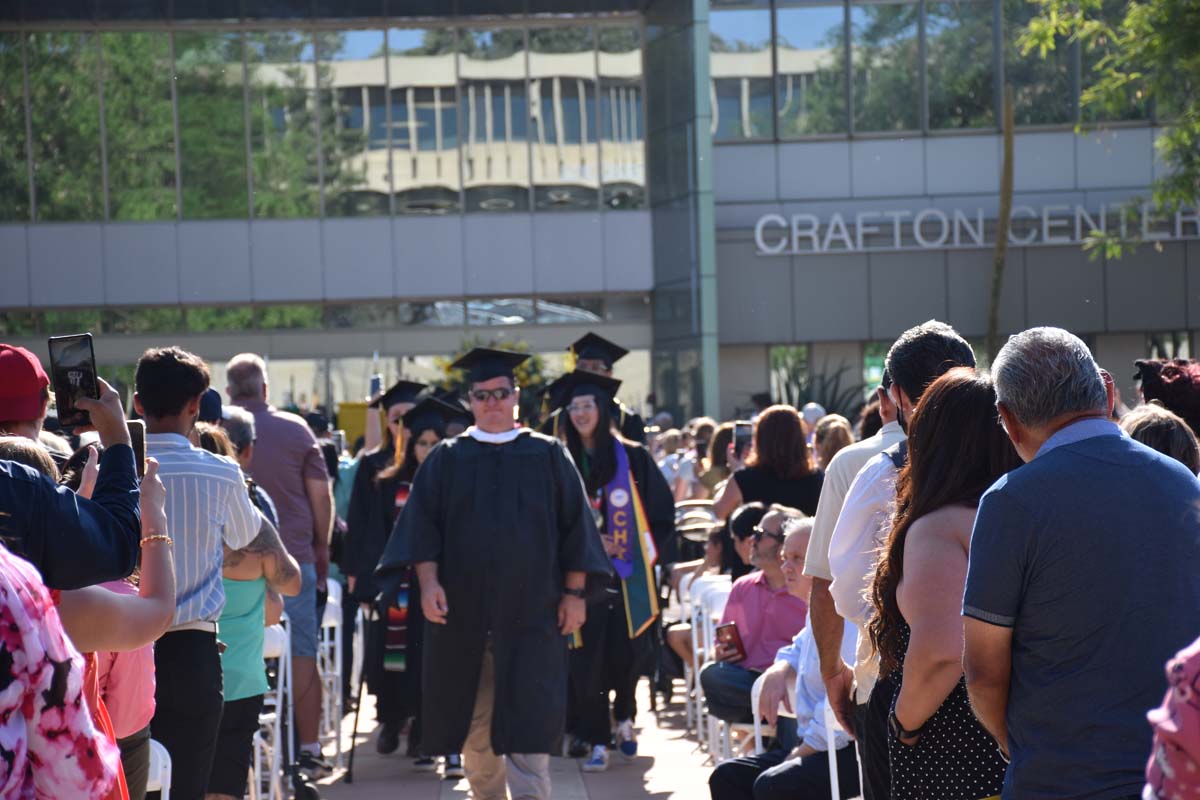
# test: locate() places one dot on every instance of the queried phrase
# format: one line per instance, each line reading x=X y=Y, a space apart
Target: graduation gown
x=504 y=523
x=631 y=425
x=368 y=523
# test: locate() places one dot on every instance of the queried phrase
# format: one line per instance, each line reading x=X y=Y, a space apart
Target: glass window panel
x=364 y=315
x=740 y=63
x=283 y=125
x=63 y=101
x=495 y=111
x=14 y=161
x=437 y=313
x=885 y=50
x=205 y=319
x=290 y=317
x=1041 y=86
x=622 y=118
x=352 y=81
x=18 y=323
x=1130 y=104
x=516 y=311
x=142 y=320
x=627 y=308
x=810 y=83
x=139 y=125
x=958 y=47
x=424 y=113
x=562 y=85
x=212 y=125
x=64 y=323
x=570 y=310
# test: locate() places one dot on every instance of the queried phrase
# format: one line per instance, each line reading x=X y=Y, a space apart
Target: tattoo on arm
x=267 y=543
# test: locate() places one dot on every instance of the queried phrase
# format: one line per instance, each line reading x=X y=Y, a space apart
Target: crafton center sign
x=936 y=228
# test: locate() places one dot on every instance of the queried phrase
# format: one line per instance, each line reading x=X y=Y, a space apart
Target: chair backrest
x=334 y=591
x=275 y=641
x=159 y=779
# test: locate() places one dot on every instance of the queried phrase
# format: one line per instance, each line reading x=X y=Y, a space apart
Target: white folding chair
x=832 y=726
x=330 y=651
x=759 y=727
x=160 y=770
x=712 y=607
x=697 y=591
x=357 y=650
x=270 y=745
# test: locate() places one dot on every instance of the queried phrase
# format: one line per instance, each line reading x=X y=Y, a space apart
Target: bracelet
x=158 y=537
x=580 y=593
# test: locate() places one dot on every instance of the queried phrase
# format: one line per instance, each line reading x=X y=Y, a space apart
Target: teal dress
x=242 y=628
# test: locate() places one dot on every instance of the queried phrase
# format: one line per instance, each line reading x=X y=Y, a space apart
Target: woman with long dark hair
x=779 y=469
x=634 y=512
x=956 y=450
x=381 y=490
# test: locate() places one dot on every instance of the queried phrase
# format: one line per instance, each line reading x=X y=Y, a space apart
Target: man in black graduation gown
x=597 y=355
x=502 y=539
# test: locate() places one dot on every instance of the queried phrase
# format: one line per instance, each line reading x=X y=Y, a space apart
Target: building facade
x=744 y=194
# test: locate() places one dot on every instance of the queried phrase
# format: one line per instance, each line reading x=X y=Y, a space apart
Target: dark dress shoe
x=389 y=739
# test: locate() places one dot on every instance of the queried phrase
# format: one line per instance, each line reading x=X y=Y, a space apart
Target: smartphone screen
x=137 y=438
x=73 y=372
x=743 y=436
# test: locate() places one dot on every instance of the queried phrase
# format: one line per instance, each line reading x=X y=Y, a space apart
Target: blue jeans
x=302 y=614
x=727 y=695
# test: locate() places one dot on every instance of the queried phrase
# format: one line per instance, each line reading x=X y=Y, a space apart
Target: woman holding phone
x=635 y=512
x=779 y=469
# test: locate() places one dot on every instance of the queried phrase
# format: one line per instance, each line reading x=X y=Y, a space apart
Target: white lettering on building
x=936 y=228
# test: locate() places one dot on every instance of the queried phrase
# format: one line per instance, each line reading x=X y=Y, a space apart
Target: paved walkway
x=668 y=767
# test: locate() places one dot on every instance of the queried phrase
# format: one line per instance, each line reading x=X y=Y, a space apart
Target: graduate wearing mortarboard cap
x=595 y=354
x=502 y=539
x=636 y=516
x=394 y=633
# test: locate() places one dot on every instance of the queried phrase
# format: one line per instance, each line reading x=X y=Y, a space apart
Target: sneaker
x=598 y=762
x=425 y=764
x=389 y=739
x=626 y=742
x=454 y=769
x=314 y=766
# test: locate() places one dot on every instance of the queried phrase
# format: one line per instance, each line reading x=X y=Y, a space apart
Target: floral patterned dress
x=49 y=746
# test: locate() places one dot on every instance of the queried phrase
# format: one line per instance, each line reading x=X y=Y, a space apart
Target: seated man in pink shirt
x=767 y=616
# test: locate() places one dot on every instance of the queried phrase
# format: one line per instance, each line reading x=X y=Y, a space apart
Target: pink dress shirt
x=766 y=619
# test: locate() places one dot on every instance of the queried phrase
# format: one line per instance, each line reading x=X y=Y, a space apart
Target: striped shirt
x=207 y=504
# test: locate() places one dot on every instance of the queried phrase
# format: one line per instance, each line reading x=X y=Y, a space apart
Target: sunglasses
x=483 y=395
x=760 y=532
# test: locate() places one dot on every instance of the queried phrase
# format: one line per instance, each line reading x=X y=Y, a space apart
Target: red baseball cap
x=22 y=382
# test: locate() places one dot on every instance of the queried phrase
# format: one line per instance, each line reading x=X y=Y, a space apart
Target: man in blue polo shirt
x=1082 y=579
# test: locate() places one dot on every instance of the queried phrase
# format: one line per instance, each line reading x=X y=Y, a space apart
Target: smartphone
x=339 y=441
x=729 y=635
x=743 y=437
x=137 y=438
x=73 y=372
x=376 y=385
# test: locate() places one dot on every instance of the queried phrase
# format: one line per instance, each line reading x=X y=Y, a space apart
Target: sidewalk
x=668 y=767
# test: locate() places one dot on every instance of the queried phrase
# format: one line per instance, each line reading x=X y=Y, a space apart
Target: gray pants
x=526 y=774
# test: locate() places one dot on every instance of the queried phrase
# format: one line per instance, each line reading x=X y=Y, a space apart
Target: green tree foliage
x=1141 y=52
x=139 y=127
x=14 y=178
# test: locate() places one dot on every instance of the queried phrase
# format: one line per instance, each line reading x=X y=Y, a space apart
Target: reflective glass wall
x=284 y=123
x=788 y=69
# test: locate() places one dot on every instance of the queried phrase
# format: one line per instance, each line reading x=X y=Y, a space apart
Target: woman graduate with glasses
x=635 y=513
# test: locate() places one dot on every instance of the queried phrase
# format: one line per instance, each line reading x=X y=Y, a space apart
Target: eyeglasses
x=581 y=407
x=483 y=395
x=760 y=532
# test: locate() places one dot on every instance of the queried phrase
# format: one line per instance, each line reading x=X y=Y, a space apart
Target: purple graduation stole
x=625 y=521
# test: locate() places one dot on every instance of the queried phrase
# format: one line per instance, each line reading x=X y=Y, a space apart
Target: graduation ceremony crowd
x=991 y=578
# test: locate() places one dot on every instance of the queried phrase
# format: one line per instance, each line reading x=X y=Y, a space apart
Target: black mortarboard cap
x=317 y=423
x=579 y=382
x=434 y=414
x=451 y=397
x=597 y=347
x=402 y=391
x=485 y=363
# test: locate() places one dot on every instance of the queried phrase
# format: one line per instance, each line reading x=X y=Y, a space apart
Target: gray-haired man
x=1082 y=579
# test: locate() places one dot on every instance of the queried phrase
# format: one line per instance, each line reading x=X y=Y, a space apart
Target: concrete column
x=1116 y=353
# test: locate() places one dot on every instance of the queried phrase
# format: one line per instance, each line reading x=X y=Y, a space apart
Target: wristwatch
x=580 y=593
x=897 y=730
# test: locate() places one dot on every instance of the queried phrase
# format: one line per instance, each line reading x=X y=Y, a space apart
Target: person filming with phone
x=760 y=617
x=73 y=542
